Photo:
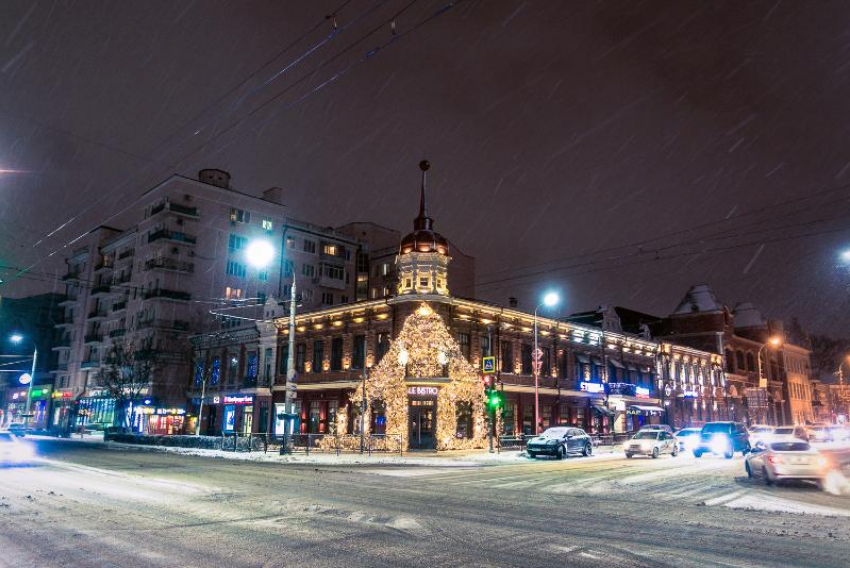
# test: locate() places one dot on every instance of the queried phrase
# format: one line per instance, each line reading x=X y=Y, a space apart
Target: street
x=86 y=504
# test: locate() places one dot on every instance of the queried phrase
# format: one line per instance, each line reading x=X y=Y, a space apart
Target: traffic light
x=488 y=381
x=495 y=400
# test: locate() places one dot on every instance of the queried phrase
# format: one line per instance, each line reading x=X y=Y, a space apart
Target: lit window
x=233 y=293
x=330 y=250
x=423 y=282
x=385 y=269
x=290 y=242
x=268 y=225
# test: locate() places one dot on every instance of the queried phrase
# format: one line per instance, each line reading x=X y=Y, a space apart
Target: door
x=574 y=441
x=422 y=425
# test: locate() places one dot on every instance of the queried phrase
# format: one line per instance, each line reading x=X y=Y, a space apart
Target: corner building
x=415 y=357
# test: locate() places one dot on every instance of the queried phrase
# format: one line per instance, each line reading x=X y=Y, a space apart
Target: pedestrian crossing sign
x=488 y=365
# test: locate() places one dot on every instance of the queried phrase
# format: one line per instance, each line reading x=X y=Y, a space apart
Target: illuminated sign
x=245 y=399
x=488 y=365
x=593 y=388
x=422 y=391
x=691 y=394
x=641 y=392
x=62 y=395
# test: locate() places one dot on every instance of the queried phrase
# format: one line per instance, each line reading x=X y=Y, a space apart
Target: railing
x=126 y=254
x=71 y=276
x=334 y=443
x=117 y=332
x=169 y=264
x=169 y=294
x=89 y=364
x=176 y=208
x=93 y=338
x=100 y=289
x=610 y=439
x=179 y=325
x=118 y=306
x=172 y=235
x=97 y=314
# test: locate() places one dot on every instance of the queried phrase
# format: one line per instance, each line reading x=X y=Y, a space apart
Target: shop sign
x=593 y=388
x=691 y=394
x=623 y=389
x=161 y=411
x=668 y=390
x=244 y=399
x=422 y=391
x=641 y=392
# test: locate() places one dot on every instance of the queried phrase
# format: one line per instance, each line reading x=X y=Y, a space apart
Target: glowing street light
x=17 y=338
x=550 y=299
x=845 y=256
x=259 y=254
x=774 y=342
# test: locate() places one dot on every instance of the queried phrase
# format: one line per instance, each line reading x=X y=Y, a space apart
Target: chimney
x=273 y=195
x=512 y=302
x=212 y=176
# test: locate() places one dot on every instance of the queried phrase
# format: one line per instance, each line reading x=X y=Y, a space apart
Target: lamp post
x=549 y=300
x=18 y=338
x=771 y=342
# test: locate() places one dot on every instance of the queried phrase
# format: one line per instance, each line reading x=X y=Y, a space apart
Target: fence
x=508 y=443
x=333 y=443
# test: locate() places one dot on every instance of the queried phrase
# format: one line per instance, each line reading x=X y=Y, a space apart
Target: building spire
x=423 y=222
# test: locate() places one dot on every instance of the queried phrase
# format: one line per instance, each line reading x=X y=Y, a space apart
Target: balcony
x=69 y=299
x=162 y=293
x=93 y=338
x=71 y=276
x=175 y=325
x=62 y=343
x=100 y=289
x=88 y=364
x=117 y=333
x=172 y=236
x=123 y=279
x=69 y=322
x=119 y=306
x=126 y=254
x=97 y=314
x=169 y=264
x=103 y=266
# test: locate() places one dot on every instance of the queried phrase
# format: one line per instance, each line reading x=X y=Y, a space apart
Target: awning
x=582 y=358
x=601 y=409
x=597 y=361
x=633 y=368
x=647 y=408
x=616 y=363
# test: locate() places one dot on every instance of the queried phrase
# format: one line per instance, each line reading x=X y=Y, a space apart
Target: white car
x=652 y=443
x=760 y=433
x=784 y=458
x=13 y=451
x=688 y=438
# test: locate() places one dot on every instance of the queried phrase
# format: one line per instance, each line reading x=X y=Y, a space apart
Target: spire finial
x=423 y=221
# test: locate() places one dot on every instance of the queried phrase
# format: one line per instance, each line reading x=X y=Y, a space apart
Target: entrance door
x=422 y=425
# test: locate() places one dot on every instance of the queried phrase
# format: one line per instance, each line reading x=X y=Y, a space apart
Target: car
x=14 y=451
x=19 y=429
x=560 y=441
x=687 y=438
x=784 y=458
x=663 y=427
x=722 y=438
x=760 y=432
x=652 y=443
x=818 y=433
x=839 y=434
x=791 y=431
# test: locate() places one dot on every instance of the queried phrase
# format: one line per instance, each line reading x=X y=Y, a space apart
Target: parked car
x=560 y=442
x=663 y=427
x=818 y=433
x=19 y=429
x=786 y=458
x=13 y=451
x=791 y=431
x=652 y=443
x=839 y=433
x=760 y=433
x=723 y=438
x=688 y=438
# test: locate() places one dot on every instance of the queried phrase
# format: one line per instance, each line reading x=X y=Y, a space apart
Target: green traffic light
x=495 y=400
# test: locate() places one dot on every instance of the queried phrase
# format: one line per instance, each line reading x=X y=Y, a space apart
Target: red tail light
x=773 y=459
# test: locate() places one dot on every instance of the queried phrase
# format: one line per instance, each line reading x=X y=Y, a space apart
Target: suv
x=560 y=441
x=722 y=438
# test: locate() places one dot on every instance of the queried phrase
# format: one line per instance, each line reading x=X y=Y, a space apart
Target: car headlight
x=822 y=462
x=719 y=444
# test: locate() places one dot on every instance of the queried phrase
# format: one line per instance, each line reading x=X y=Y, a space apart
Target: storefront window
x=509 y=418
x=545 y=416
x=581 y=418
x=464 y=420
x=315 y=417
x=379 y=418
x=247 y=419
x=564 y=415
x=527 y=419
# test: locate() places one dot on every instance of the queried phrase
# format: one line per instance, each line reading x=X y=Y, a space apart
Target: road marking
x=723 y=498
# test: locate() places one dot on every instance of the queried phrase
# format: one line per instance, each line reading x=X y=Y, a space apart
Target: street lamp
x=771 y=342
x=259 y=253
x=17 y=338
x=550 y=300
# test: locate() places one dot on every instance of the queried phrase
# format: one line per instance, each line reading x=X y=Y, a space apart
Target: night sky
x=618 y=151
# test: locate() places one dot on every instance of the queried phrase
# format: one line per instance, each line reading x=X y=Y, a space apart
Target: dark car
x=560 y=442
x=723 y=438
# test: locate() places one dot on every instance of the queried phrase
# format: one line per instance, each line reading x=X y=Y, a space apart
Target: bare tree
x=125 y=374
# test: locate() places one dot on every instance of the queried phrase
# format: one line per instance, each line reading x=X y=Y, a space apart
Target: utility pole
x=290 y=364
x=363 y=403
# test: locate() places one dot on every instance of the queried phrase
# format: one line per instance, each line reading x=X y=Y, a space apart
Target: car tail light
x=773 y=460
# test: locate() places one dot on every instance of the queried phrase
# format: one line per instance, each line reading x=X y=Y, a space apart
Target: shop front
x=16 y=407
x=159 y=421
x=237 y=413
x=96 y=413
x=63 y=405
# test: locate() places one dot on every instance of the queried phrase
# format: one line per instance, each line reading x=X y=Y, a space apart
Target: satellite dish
x=25 y=379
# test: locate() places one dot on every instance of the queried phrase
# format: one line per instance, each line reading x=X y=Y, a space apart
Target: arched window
x=739 y=360
x=751 y=361
x=730 y=361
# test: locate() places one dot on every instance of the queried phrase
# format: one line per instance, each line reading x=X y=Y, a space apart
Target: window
x=739 y=360
x=330 y=249
x=525 y=354
x=423 y=282
x=383 y=345
x=290 y=243
x=751 y=362
x=484 y=343
x=233 y=293
x=300 y=357
x=236 y=269
x=261 y=298
x=327 y=298
x=318 y=355
x=336 y=354
x=233 y=369
x=263 y=275
x=215 y=373
x=358 y=352
x=283 y=353
x=507 y=353
x=288 y=268
x=730 y=362
x=343 y=299
x=239 y=216
x=464 y=342
x=309 y=246
x=236 y=242
x=199 y=372
x=334 y=272
x=307 y=270
x=385 y=269
x=251 y=368
x=268 y=225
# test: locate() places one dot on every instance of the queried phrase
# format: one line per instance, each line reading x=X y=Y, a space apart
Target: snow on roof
x=699 y=298
x=746 y=315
